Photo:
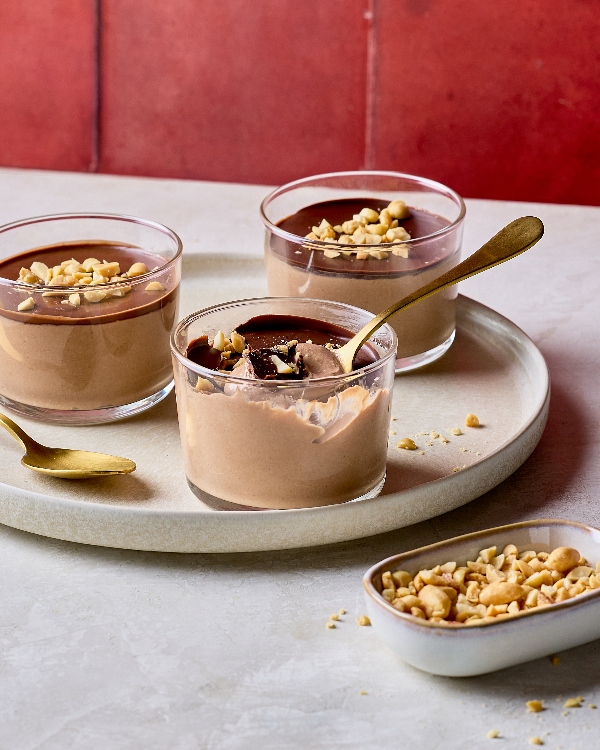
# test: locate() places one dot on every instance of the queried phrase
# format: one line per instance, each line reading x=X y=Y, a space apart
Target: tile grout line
x=371 y=96
x=96 y=132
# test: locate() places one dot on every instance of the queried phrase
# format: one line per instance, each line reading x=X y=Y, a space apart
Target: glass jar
x=370 y=276
x=283 y=443
x=84 y=347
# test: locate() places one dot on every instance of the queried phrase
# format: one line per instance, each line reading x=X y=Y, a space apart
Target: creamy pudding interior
x=82 y=335
x=371 y=260
x=269 y=420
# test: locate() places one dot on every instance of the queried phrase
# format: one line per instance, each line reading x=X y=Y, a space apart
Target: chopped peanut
x=492 y=587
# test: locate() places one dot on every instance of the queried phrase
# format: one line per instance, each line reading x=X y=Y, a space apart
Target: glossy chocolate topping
x=268 y=335
x=419 y=224
x=50 y=310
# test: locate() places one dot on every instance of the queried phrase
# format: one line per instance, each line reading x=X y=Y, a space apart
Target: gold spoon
x=514 y=239
x=65 y=463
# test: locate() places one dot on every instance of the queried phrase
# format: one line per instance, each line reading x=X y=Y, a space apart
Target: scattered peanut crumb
x=592 y=705
x=554 y=659
x=492 y=734
x=407 y=444
x=456 y=431
x=421 y=453
x=342 y=611
x=334 y=617
x=330 y=625
x=574 y=702
x=472 y=420
x=392 y=432
x=429 y=443
x=363 y=620
x=363 y=692
x=455 y=469
x=536 y=741
x=535 y=707
x=394 y=419
x=444 y=440
x=434 y=435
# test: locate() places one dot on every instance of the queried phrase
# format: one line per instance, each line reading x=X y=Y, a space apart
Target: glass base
x=217 y=504
x=406 y=364
x=81 y=417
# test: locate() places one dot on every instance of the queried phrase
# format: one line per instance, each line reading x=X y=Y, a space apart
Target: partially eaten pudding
x=267 y=417
x=84 y=328
x=369 y=250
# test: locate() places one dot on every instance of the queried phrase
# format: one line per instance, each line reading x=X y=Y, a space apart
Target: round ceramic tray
x=493 y=370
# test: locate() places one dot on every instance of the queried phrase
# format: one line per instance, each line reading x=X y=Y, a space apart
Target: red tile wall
x=251 y=92
x=499 y=100
x=48 y=83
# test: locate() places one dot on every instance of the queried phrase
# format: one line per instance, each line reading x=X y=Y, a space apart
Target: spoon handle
x=17 y=433
x=514 y=239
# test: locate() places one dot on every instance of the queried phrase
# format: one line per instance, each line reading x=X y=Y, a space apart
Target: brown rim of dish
x=83 y=215
x=390 y=562
x=440 y=187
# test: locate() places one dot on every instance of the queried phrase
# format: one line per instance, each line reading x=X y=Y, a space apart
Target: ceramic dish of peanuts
x=489 y=600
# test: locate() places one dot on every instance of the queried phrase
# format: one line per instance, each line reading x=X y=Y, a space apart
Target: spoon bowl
x=63 y=462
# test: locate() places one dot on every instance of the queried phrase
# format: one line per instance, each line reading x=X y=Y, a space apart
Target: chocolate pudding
x=355 y=251
x=84 y=336
x=269 y=420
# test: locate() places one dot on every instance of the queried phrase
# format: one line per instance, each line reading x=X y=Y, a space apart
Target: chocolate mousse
x=283 y=427
x=278 y=347
x=85 y=325
x=369 y=253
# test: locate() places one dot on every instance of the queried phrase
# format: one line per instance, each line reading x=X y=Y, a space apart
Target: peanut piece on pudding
x=41 y=270
x=95 y=295
x=155 y=286
x=398 y=210
x=369 y=214
x=89 y=263
x=27 y=304
x=137 y=269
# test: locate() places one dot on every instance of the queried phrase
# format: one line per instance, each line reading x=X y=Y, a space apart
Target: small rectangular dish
x=461 y=651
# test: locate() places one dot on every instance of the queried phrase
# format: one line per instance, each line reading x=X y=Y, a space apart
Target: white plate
x=467 y=651
x=493 y=369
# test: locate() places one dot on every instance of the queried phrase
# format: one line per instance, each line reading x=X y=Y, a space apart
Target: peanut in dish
x=493 y=587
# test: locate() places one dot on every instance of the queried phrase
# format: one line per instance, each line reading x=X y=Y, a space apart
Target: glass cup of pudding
x=267 y=418
x=368 y=239
x=87 y=306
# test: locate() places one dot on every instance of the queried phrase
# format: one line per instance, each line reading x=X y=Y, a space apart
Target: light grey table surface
x=109 y=649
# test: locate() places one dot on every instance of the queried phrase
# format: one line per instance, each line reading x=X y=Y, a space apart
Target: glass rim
x=230 y=377
x=438 y=187
x=162 y=228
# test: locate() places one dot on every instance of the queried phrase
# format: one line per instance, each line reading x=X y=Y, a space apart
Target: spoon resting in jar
x=65 y=463
x=514 y=239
